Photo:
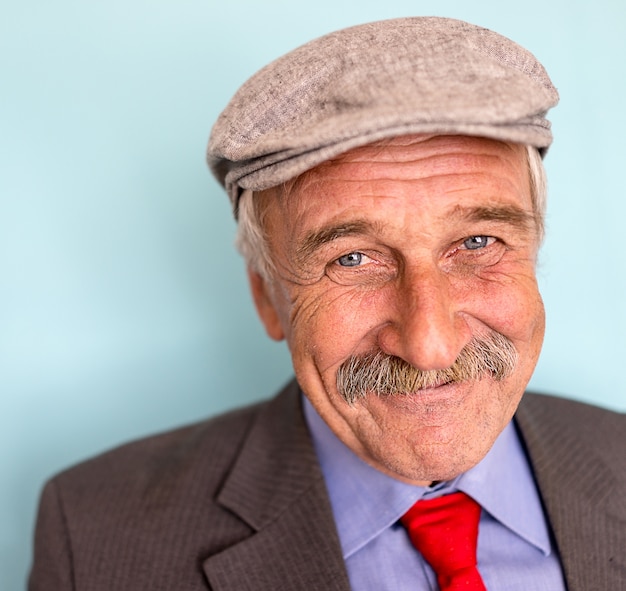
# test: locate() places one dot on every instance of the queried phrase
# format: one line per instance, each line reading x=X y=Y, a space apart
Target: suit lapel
x=277 y=488
x=582 y=498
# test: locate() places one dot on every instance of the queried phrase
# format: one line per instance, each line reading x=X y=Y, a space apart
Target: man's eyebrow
x=507 y=214
x=315 y=240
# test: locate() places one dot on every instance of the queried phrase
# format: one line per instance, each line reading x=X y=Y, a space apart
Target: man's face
x=410 y=248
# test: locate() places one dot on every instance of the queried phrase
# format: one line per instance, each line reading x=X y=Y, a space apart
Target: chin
x=434 y=466
x=427 y=453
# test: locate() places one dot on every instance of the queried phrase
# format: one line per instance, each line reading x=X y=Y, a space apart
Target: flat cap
x=376 y=81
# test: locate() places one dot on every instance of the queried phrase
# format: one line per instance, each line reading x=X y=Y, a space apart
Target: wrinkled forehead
x=405 y=158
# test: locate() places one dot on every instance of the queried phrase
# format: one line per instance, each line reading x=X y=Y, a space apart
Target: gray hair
x=253 y=244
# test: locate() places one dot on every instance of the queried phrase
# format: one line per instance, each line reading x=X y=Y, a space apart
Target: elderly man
x=390 y=194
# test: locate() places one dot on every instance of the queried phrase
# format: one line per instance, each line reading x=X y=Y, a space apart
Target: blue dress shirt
x=514 y=552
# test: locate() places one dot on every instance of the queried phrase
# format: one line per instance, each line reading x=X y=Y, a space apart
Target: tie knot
x=445 y=532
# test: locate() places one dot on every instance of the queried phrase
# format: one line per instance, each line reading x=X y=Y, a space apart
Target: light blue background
x=124 y=309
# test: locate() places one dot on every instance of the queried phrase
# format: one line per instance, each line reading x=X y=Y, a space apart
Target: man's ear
x=265 y=307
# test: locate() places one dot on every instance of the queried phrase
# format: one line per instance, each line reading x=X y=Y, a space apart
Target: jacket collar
x=277 y=488
x=579 y=487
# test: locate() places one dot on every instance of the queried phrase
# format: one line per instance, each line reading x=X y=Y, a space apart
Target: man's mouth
x=359 y=376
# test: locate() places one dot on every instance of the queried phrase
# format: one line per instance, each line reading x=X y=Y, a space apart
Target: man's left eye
x=477 y=242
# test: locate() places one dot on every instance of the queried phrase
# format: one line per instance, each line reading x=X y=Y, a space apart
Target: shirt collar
x=504 y=485
x=366 y=502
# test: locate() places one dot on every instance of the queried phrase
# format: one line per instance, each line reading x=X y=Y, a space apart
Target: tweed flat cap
x=376 y=81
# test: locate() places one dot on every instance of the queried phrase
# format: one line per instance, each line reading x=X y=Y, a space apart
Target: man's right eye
x=352 y=259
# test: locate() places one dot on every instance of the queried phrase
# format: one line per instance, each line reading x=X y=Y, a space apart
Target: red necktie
x=445 y=531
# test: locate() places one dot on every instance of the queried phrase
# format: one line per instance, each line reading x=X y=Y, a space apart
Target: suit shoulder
x=145 y=514
x=557 y=423
x=207 y=447
x=571 y=411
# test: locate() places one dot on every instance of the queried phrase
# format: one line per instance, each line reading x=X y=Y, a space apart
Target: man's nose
x=425 y=326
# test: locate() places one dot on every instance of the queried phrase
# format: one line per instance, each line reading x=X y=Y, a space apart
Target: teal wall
x=123 y=308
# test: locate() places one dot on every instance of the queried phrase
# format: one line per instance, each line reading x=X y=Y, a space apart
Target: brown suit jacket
x=239 y=503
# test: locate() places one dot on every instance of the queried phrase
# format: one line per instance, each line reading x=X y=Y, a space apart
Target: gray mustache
x=378 y=373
